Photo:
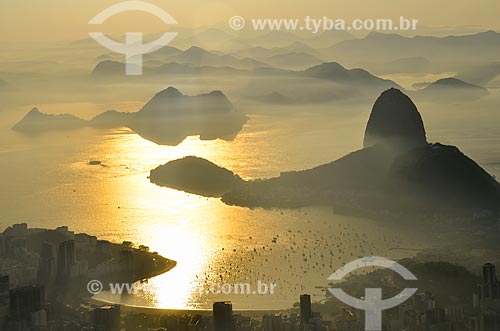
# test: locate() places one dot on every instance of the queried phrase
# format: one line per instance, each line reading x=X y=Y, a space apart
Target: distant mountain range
x=382 y=53
x=167 y=119
x=482 y=75
x=262 y=53
x=271 y=85
x=227 y=40
x=345 y=83
x=452 y=88
x=109 y=69
x=410 y=65
x=192 y=57
x=293 y=60
x=200 y=57
x=36 y=121
x=397 y=174
x=355 y=77
x=450 y=51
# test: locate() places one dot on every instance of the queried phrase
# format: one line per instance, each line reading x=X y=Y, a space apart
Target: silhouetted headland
x=447 y=283
x=63 y=261
x=36 y=121
x=195 y=175
x=167 y=119
x=396 y=173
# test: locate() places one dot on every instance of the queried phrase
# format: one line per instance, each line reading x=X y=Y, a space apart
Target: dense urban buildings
x=107 y=318
x=223 y=316
x=28 y=301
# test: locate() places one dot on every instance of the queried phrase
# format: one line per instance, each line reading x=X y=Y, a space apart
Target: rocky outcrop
x=36 y=121
x=195 y=175
x=420 y=180
x=395 y=120
x=167 y=119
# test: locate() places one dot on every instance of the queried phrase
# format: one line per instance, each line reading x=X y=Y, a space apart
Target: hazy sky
x=31 y=20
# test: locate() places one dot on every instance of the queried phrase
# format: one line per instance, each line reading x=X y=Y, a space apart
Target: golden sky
x=41 y=20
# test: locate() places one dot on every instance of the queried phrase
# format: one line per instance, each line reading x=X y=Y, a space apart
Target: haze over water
x=47 y=182
x=296 y=120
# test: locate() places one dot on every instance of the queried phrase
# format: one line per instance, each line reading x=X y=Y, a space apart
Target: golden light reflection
x=172 y=225
x=213 y=242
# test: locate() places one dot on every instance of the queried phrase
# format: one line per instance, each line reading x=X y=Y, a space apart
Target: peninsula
x=397 y=172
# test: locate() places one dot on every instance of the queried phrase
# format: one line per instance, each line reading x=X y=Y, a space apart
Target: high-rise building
x=485 y=322
x=487 y=302
x=305 y=309
x=66 y=258
x=223 y=316
x=489 y=274
x=3 y=245
x=315 y=324
x=4 y=284
x=267 y=322
x=490 y=288
x=38 y=319
x=4 y=299
x=243 y=323
x=107 y=318
x=48 y=262
x=26 y=300
x=277 y=322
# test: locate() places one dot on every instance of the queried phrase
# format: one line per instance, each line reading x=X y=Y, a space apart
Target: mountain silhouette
x=452 y=88
x=115 y=69
x=109 y=68
x=396 y=174
x=394 y=119
x=293 y=60
x=301 y=47
x=209 y=115
x=195 y=175
x=110 y=119
x=466 y=50
x=201 y=57
x=482 y=74
x=36 y=121
x=417 y=64
x=167 y=119
x=335 y=72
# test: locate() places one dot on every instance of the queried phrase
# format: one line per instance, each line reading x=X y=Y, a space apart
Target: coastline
x=203 y=312
x=87 y=259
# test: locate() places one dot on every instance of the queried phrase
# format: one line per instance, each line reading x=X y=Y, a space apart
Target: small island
x=167 y=119
x=195 y=175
